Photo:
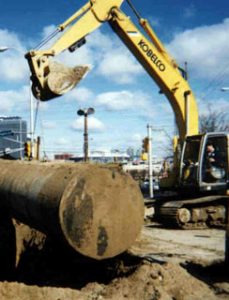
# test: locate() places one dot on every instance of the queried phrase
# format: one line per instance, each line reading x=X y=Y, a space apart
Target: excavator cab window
x=214 y=160
x=190 y=159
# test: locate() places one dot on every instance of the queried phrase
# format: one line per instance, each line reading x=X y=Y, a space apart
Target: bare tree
x=214 y=120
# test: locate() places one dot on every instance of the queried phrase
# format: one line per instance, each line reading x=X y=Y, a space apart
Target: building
x=63 y=156
x=104 y=157
x=13 y=135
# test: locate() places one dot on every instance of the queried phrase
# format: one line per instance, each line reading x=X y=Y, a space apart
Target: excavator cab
x=204 y=162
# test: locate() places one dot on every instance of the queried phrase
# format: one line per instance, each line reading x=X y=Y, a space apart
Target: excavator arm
x=161 y=67
x=49 y=81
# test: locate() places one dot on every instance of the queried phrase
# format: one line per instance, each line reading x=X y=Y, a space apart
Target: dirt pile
x=150 y=281
x=155 y=281
x=46 y=270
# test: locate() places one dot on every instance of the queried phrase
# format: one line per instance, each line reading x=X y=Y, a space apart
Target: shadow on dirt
x=213 y=275
x=59 y=266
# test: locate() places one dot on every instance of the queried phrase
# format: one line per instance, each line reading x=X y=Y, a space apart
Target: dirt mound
x=150 y=281
x=19 y=291
x=155 y=281
x=47 y=269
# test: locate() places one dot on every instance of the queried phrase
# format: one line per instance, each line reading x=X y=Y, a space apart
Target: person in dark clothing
x=212 y=160
x=210 y=156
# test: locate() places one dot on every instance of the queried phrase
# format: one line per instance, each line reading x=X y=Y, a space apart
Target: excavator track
x=169 y=216
x=199 y=213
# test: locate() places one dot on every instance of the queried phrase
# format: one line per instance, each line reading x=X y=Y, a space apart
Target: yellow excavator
x=200 y=179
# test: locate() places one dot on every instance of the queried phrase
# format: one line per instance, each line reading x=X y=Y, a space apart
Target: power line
x=215 y=82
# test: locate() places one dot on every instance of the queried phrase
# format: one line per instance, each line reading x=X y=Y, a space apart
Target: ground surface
x=163 y=264
x=178 y=246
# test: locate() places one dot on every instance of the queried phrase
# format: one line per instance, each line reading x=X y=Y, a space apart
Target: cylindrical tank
x=98 y=210
x=227 y=238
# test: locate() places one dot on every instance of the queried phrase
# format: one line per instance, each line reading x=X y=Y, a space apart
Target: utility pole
x=31 y=122
x=149 y=128
x=226 y=89
x=85 y=138
x=85 y=113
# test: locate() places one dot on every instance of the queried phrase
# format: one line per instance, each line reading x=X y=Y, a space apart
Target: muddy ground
x=162 y=264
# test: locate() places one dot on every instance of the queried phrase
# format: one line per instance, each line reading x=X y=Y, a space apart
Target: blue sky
x=124 y=97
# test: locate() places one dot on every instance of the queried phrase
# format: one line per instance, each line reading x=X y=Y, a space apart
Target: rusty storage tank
x=98 y=210
x=227 y=238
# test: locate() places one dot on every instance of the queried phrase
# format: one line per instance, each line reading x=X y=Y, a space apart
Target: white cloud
x=80 y=94
x=43 y=106
x=219 y=104
x=12 y=101
x=10 y=39
x=93 y=124
x=119 y=66
x=205 y=48
x=123 y=100
x=104 y=42
x=47 y=30
x=49 y=124
x=13 y=66
x=136 y=139
x=61 y=141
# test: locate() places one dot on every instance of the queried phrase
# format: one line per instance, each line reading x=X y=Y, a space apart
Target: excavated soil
x=48 y=270
x=149 y=281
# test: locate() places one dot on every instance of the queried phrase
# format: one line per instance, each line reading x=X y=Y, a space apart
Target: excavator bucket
x=58 y=80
